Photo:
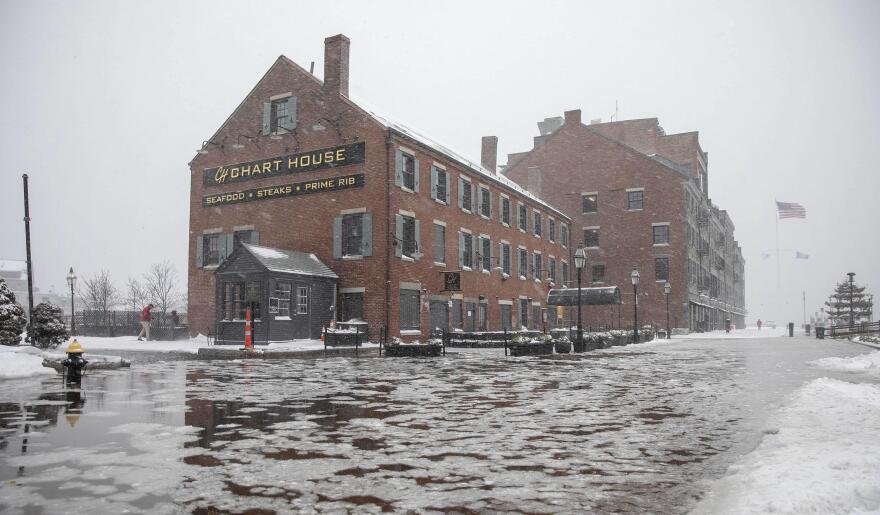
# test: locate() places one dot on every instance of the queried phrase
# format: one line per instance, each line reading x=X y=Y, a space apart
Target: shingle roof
x=289 y=261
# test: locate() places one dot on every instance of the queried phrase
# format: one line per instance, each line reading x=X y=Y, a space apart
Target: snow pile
x=131 y=343
x=749 y=332
x=18 y=362
x=824 y=458
x=866 y=363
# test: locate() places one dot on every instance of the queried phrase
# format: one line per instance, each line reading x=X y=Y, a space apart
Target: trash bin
x=820 y=333
x=807 y=329
x=791 y=329
x=661 y=333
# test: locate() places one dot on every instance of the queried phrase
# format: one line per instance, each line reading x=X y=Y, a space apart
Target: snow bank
x=866 y=363
x=749 y=332
x=825 y=457
x=17 y=362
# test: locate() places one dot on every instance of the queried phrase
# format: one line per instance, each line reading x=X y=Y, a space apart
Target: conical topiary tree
x=839 y=303
x=49 y=329
x=12 y=320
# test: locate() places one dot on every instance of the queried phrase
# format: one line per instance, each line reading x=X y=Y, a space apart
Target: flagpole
x=776 y=206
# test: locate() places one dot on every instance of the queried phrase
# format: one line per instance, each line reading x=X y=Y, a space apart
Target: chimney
x=336 y=64
x=573 y=116
x=489 y=153
x=549 y=125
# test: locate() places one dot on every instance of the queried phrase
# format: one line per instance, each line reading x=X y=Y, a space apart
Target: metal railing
x=862 y=328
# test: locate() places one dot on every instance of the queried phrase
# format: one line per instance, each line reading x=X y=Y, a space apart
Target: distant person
x=146 y=317
x=759 y=324
x=175 y=319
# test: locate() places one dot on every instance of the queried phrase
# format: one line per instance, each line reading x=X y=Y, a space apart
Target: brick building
x=301 y=168
x=640 y=198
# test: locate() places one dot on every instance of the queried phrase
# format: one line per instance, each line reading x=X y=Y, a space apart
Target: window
x=551 y=229
x=485 y=254
x=538 y=225
x=237 y=296
x=485 y=202
x=279 y=302
x=551 y=269
x=524 y=312
x=591 y=237
x=505 y=211
x=439 y=243
x=211 y=249
x=279 y=115
x=407 y=237
x=598 y=273
x=536 y=316
x=661 y=234
x=465 y=195
x=245 y=236
x=505 y=258
x=537 y=265
x=408 y=172
x=466 y=250
x=523 y=218
x=563 y=236
x=456 y=314
x=302 y=300
x=564 y=271
x=439 y=184
x=506 y=310
x=523 y=263
x=352 y=234
x=661 y=269
x=590 y=202
x=635 y=200
x=352 y=306
x=409 y=310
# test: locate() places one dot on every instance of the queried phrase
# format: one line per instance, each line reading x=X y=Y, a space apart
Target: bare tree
x=99 y=294
x=160 y=283
x=135 y=294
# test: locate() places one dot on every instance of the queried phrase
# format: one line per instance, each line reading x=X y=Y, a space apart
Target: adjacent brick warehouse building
x=639 y=198
x=299 y=166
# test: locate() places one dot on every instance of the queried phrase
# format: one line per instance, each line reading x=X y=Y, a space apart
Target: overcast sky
x=104 y=104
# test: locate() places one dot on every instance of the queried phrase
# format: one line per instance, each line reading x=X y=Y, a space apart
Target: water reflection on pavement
x=638 y=429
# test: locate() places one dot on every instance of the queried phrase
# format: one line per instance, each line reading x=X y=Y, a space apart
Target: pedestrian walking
x=759 y=324
x=146 y=317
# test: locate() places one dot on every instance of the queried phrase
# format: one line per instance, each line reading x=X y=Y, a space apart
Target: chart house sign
x=342 y=182
x=293 y=163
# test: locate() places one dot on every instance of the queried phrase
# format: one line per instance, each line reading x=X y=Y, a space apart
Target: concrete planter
x=531 y=349
x=562 y=347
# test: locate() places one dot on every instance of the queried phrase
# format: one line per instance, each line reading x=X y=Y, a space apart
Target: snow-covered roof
x=489 y=175
x=289 y=261
x=11 y=266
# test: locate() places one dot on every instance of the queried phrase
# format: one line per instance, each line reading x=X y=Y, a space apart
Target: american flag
x=790 y=210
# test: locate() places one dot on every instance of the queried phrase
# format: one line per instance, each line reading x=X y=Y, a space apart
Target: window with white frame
x=485 y=254
x=661 y=234
x=591 y=237
x=537 y=265
x=439 y=184
x=590 y=202
x=635 y=200
x=551 y=269
x=563 y=235
x=408 y=171
x=302 y=300
x=563 y=268
x=279 y=302
x=523 y=217
x=352 y=234
x=551 y=229
x=465 y=195
x=523 y=263
x=466 y=250
x=504 y=252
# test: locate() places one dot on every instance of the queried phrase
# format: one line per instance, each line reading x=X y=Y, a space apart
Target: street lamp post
x=667 y=289
x=635 y=281
x=852 y=320
x=71 y=280
x=580 y=259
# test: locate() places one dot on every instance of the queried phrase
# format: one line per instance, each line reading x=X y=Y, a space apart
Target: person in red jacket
x=145 y=322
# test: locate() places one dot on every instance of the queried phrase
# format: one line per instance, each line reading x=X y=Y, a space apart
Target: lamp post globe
x=580 y=260
x=634 y=277
x=667 y=289
x=71 y=280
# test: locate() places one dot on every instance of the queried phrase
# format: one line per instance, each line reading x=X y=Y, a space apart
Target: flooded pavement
x=636 y=429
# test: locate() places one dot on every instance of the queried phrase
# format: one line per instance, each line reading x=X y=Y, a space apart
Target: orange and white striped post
x=248 y=343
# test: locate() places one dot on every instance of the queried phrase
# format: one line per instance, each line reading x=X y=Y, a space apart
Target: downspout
x=388 y=243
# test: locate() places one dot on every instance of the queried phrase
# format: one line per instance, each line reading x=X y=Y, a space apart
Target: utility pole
x=30 y=265
x=852 y=320
x=805 y=307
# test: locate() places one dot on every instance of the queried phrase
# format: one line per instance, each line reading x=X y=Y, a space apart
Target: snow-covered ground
x=17 y=362
x=748 y=332
x=822 y=454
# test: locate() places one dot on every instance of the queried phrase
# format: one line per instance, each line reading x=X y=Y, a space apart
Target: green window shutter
x=226 y=244
x=460 y=192
x=416 y=176
x=255 y=238
x=398 y=247
x=490 y=205
x=474 y=205
x=479 y=251
x=447 y=188
x=501 y=256
x=398 y=175
x=367 y=239
x=290 y=121
x=491 y=256
x=418 y=245
x=460 y=249
x=337 y=237
x=200 y=250
x=267 y=115
x=433 y=182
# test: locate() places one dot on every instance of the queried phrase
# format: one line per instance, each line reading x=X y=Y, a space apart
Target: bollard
x=248 y=342
x=505 y=341
x=357 y=340
x=791 y=329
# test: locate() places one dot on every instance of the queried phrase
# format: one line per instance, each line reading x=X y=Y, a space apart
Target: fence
x=862 y=328
x=128 y=323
